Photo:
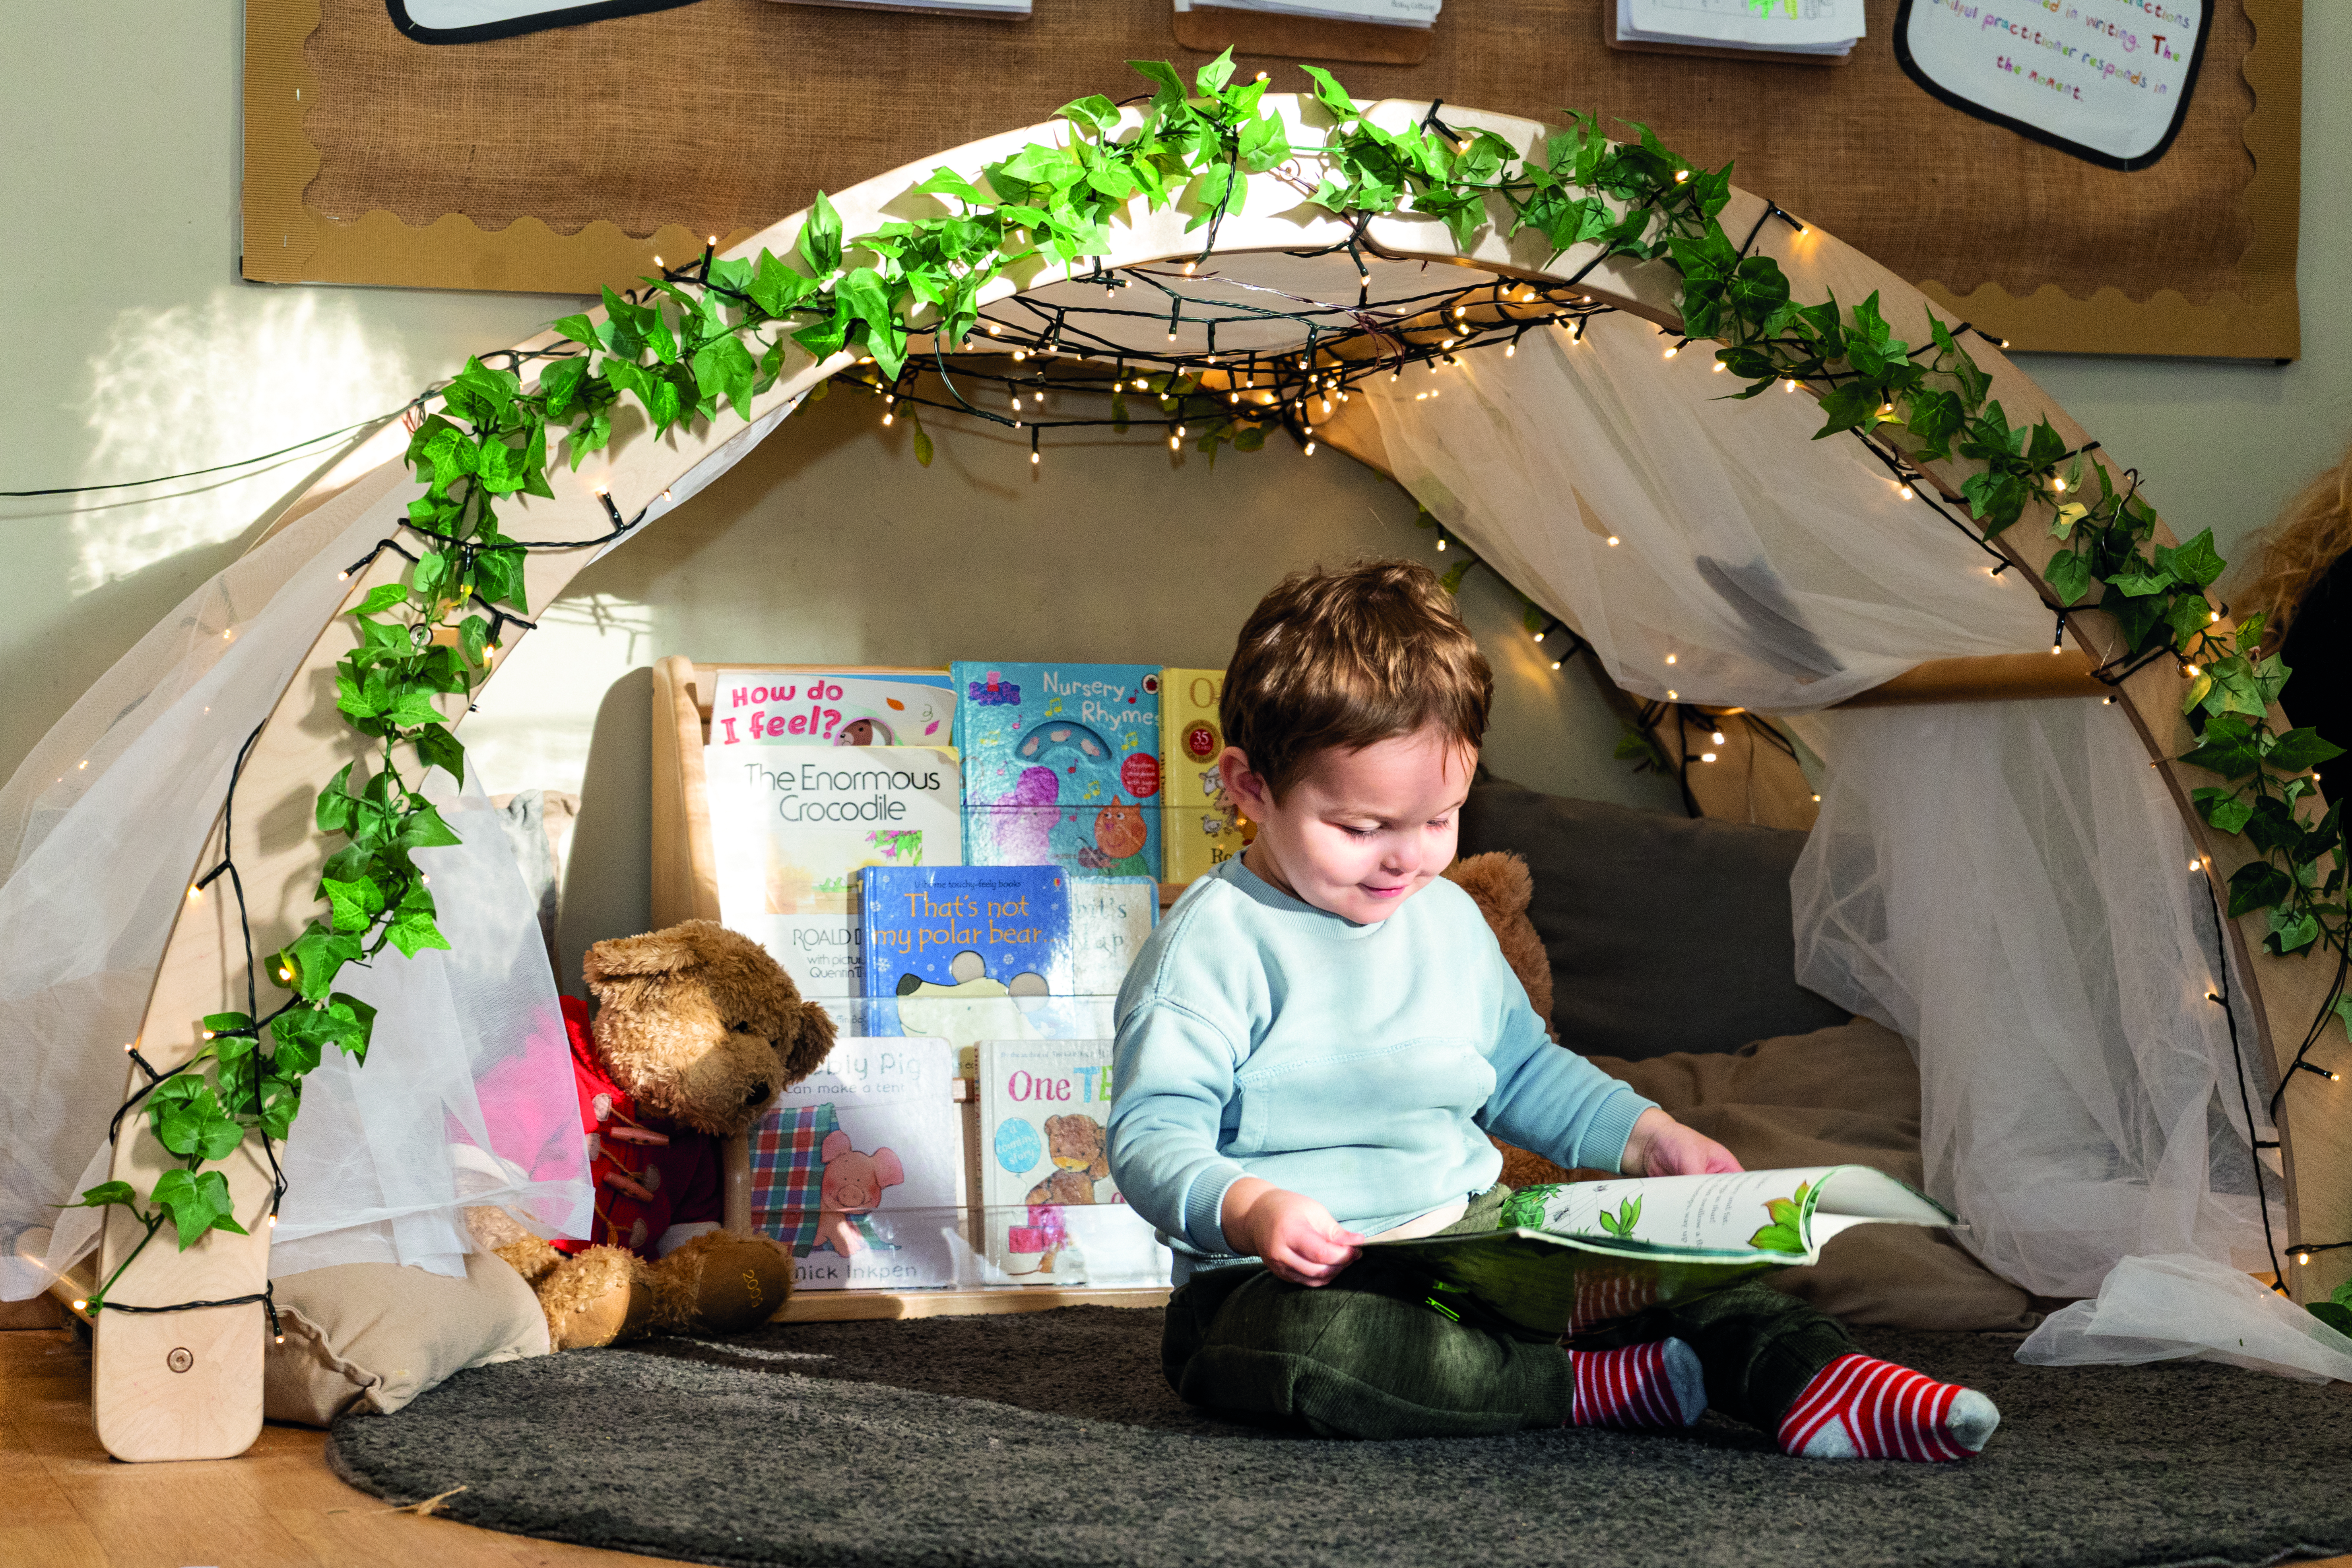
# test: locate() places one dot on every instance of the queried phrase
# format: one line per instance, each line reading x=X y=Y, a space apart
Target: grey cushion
x=1665 y=933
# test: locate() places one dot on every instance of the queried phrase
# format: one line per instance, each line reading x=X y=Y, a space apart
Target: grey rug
x=1049 y=1440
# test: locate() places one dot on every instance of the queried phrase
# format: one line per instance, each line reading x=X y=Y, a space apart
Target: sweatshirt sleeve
x=1172 y=1080
x=1549 y=1099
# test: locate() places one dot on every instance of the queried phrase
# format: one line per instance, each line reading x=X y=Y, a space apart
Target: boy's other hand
x=1295 y=1235
x=1661 y=1146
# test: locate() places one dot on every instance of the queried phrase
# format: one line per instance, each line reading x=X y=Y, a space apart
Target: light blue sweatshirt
x=1359 y=1064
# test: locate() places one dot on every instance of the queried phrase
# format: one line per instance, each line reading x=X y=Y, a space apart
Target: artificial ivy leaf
x=2069 y=576
x=1264 y=144
x=281 y=1100
x=723 y=367
x=317 y=955
x=2068 y=515
x=412 y=708
x=2257 y=885
x=1996 y=499
x=472 y=639
x=2222 y=808
x=501 y=468
x=198 y=1203
x=1093 y=109
x=104 y=1195
x=1333 y=96
x=2230 y=747
x=579 y=329
x=560 y=384
x=2298 y=751
x=2198 y=689
x=2196 y=562
x=412 y=930
x=197 y=1126
x=498 y=576
x=922 y=446
x=496 y=388
x=424 y=830
x=1847 y=408
x=353 y=906
x=382 y=597
x=820 y=241
x=2291 y=933
x=1213 y=75
x=334 y=809
x=2272 y=829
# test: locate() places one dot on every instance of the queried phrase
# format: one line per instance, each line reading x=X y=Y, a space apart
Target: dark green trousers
x=1366 y=1356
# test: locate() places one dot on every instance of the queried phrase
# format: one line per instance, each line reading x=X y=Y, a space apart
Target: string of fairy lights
x=1027 y=359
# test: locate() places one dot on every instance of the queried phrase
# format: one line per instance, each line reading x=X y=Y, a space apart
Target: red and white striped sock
x=1642 y=1388
x=1858 y=1407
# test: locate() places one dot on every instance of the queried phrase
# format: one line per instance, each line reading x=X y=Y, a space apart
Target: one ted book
x=1571 y=1259
x=1050 y=1212
x=1061 y=766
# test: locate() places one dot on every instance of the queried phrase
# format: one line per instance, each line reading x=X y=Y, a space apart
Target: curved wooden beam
x=188 y=1385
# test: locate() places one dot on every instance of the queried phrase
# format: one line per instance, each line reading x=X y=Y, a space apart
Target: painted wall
x=140 y=352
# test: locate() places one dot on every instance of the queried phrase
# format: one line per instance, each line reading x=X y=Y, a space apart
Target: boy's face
x=1358 y=833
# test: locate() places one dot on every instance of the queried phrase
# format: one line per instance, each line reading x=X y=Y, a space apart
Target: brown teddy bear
x=1501 y=886
x=696 y=1030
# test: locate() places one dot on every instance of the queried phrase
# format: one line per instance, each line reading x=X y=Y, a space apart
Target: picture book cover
x=972 y=952
x=1050 y=1213
x=1110 y=919
x=1061 y=765
x=1200 y=827
x=858 y=1168
x=791 y=827
x=1568 y=1258
x=804 y=705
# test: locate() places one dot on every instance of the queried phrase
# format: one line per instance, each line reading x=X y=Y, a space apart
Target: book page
x=1704 y=1213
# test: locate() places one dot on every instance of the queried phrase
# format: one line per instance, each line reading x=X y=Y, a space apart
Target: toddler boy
x=1314 y=1045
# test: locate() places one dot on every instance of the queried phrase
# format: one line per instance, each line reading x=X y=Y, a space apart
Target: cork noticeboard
x=563 y=159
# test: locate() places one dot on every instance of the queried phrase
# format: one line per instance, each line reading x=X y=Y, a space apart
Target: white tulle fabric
x=2006 y=885
x=1779 y=573
x=99 y=831
x=2009 y=885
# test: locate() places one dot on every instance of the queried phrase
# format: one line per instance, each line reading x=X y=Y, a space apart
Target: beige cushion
x=1847 y=1095
x=370 y=1337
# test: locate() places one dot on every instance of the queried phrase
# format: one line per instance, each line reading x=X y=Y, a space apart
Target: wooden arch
x=188 y=1385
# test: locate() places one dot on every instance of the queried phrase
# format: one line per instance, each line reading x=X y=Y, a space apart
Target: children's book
x=804 y=705
x=1050 y=1213
x=791 y=827
x=858 y=1168
x=973 y=953
x=1569 y=1258
x=1110 y=919
x=1061 y=766
x=1202 y=827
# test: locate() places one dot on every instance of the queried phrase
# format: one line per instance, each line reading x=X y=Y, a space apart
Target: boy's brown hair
x=1350 y=659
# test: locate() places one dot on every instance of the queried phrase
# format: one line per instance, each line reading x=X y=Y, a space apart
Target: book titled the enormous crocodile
x=1567 y=1259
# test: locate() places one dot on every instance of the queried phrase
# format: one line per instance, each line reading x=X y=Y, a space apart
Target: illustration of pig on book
x=854 y=1184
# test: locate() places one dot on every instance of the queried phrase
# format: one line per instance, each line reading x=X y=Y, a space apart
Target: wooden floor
x=65 y=1504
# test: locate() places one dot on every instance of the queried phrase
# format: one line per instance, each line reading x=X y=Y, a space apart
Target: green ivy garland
x=690 y=346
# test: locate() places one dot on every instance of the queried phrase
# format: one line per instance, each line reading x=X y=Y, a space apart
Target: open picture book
x=1570 y=1258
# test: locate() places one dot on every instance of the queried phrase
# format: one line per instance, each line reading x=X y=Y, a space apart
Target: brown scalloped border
x=288 y=242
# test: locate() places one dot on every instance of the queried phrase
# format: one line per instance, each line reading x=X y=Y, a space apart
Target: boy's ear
x=1245 y=788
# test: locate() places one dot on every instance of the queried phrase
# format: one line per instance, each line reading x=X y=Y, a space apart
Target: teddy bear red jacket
x=649 y=1173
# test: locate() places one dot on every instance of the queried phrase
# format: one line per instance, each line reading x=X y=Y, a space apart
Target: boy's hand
x=1661 y=1146
x=1297 y=1236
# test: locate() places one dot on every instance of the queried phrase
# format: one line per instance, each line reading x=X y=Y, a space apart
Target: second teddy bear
x=1501 y=886
x=696 y=1030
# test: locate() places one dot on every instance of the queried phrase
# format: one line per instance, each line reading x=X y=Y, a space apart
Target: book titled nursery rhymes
x=1050 y=1213
x=1199 y=828
x=1061 y=765
x=858 y=1168
x=791 y=826
x=801 y=705
x=973 y=953
x=1568 y=1258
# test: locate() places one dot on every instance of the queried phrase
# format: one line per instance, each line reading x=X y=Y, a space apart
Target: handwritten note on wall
x=2104 y=80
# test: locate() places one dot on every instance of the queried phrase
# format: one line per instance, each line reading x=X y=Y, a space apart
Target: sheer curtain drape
x=99 y=828
x=2006 y=885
